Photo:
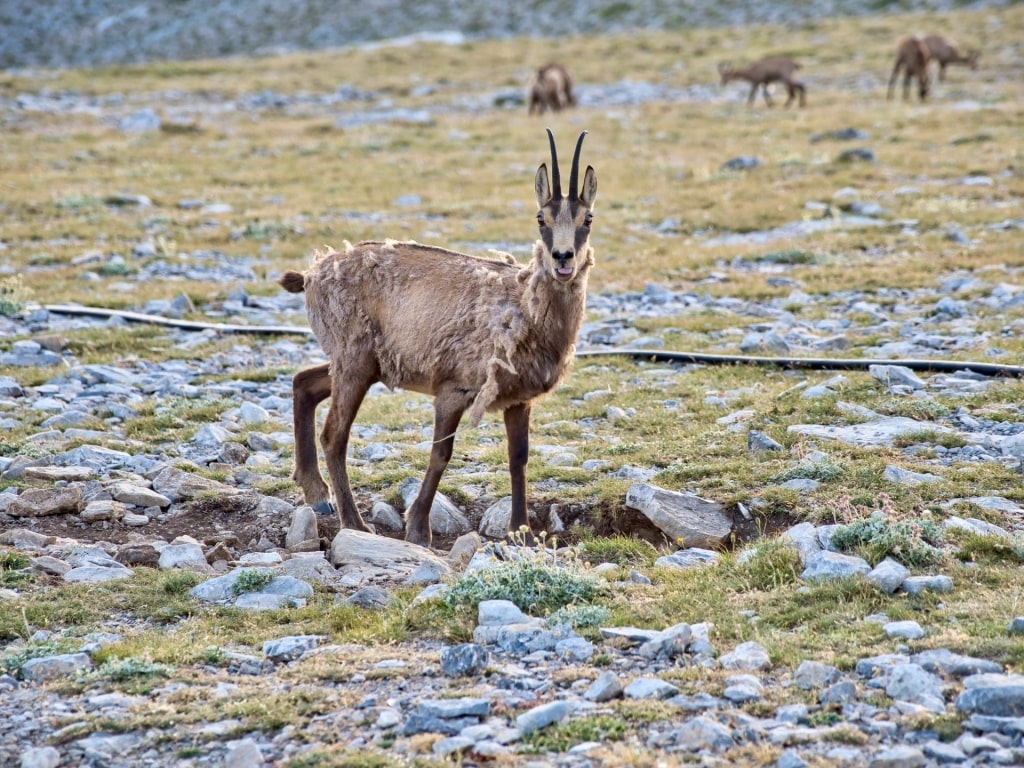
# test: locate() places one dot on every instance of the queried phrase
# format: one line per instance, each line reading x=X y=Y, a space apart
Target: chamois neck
x=551 y=305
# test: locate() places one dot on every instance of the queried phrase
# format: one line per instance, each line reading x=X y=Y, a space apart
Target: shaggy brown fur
x=478 y=334
x=944 y=51
x=912 y=57
x=551 y=88
x=773 y=69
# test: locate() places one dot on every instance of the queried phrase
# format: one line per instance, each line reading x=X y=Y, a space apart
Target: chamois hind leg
x=517 y=432
x=753 y=94
x=349 y=384
x=310 y=387
x=448 y=409
x=893 y=79
x=767 y=96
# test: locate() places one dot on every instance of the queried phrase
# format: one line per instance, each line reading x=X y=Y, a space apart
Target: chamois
x=478 y=334
x=944 y=51
x=912 y=57
x=551 y=88
x=762 y=73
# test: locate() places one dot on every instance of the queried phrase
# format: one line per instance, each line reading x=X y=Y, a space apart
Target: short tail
x=293 y=282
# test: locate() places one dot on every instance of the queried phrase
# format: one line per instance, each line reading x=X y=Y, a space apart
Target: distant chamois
x=773 y=69
x=944 y=51
x=551 y=89
x=912 y=57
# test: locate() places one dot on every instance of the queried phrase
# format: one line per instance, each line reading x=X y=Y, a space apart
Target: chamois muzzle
x=563 y=263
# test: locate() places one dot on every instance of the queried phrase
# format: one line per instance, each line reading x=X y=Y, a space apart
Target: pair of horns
x=574 y=174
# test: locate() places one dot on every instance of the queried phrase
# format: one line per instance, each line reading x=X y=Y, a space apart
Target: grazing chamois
x=478 y=334
x=551 y=88
x=760 y=74
x=944 y=51
x=912 y=57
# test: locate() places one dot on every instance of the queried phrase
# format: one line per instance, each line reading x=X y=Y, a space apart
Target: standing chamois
x=912 y=57
x=551 y=88
x=944 y=51
x=773 y=69
x=478 y=334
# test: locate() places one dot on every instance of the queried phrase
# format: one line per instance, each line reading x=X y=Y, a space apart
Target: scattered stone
x=684 y=517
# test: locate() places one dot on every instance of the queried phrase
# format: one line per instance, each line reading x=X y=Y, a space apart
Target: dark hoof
x=418 y=538
x=324 y=509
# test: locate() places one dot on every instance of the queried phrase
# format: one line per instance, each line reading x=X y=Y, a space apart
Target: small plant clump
x=12 y=569
x=579 y=616
x=12 y=661
x=911 y=542
x=565 y=736
x=537 y=582
x=824 y=470
x=13 y=295
x=252 y=580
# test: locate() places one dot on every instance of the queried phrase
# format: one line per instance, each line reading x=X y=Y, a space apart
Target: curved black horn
x=556 y=182
x=574 y=174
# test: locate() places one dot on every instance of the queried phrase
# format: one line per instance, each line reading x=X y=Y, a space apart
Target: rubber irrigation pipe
x=653 y=356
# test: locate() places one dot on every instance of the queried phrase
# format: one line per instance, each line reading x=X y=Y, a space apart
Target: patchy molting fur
x=420 y=339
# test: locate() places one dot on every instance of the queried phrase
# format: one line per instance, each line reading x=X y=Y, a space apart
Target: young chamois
x=912 y=57
x=944 y=51
x=478 y=334
x=551 y=88
x=773 y=69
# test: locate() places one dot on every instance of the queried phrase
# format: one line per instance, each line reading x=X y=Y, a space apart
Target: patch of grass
x=12 y=569
x=913 y=543
x=341 y=757
x=134 y=676
x=562 y=737
x=991 y=549
x=929 y=437
x=13 y=295
x=770 y=564
x=624 y=551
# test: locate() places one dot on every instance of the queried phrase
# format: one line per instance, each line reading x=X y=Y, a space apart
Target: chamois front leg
x=448 y=409
x=517 y=432
x=310 y=387
x=347 y=393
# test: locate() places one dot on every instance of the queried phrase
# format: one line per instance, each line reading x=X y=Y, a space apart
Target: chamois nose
x=563 y=259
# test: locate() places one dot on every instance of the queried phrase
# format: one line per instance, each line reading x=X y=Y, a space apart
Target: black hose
x=813 y=363
x=816 y=363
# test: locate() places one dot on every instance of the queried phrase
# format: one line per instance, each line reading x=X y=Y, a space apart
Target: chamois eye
x=540 y=219
x=587 y=219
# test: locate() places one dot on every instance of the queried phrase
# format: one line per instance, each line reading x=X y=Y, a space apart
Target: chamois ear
x=542 y=186
x=589 y=191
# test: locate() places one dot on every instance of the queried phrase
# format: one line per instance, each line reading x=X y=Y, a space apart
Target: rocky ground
x=104 y=510
x=104 y=32
x=108 y=504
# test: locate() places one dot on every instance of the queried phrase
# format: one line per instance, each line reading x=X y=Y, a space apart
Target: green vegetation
x=914 y=543
x=534 y=581
x=252 y=580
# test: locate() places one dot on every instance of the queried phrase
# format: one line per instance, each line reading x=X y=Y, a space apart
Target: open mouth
x=564 y=271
